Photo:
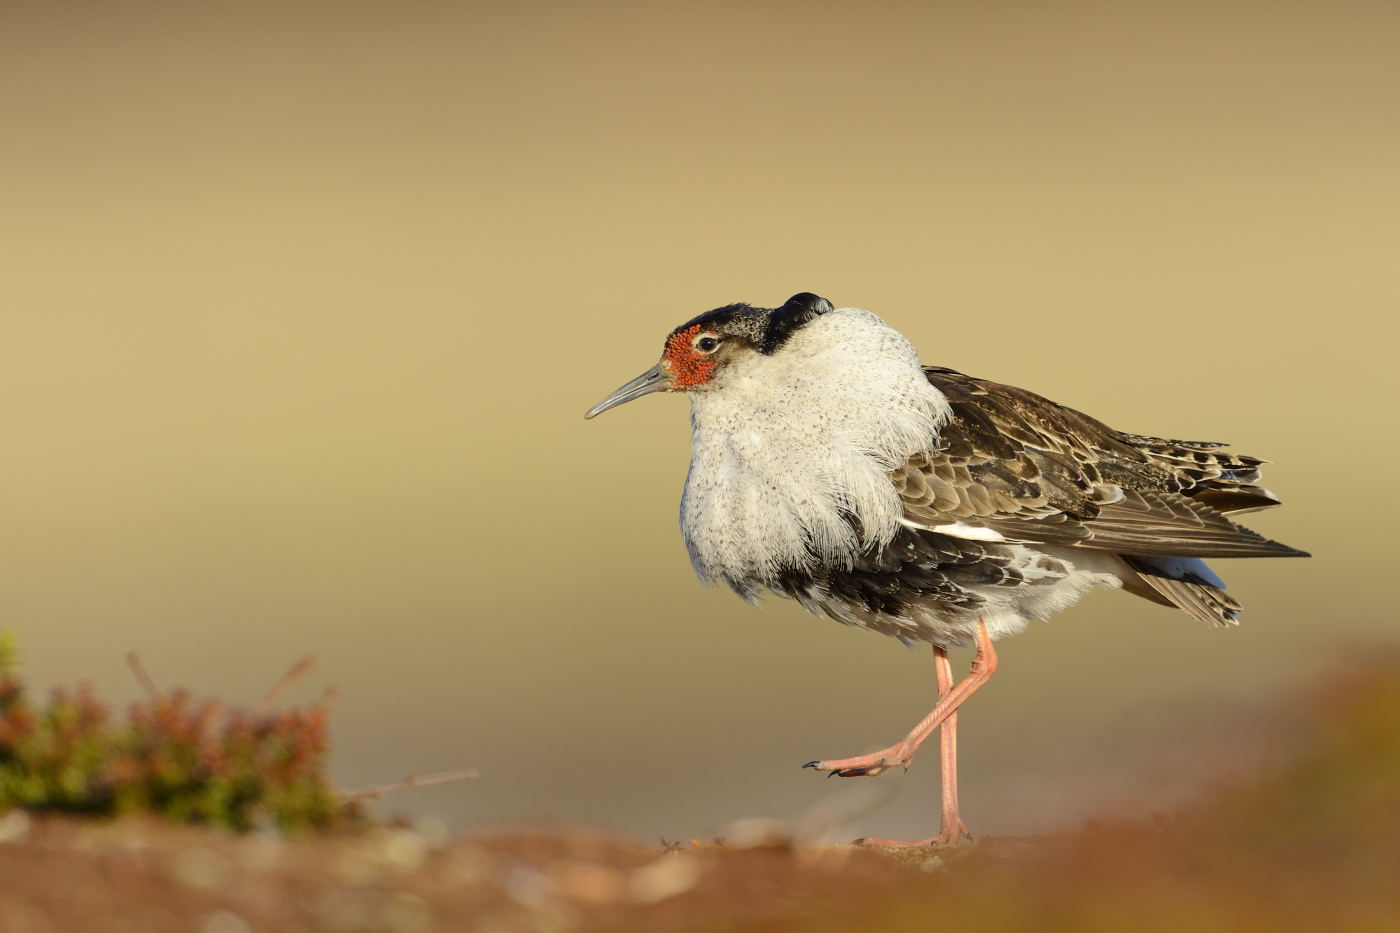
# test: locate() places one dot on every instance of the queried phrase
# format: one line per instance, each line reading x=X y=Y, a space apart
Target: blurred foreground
x=1312 y=842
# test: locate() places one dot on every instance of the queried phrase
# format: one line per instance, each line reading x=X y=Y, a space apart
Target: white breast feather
x=785 y=447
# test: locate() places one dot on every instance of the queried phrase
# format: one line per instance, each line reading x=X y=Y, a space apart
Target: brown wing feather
x=1209 y=472
x=1035 y=471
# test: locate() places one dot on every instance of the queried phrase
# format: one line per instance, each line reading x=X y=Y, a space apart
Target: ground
x=1310 y=845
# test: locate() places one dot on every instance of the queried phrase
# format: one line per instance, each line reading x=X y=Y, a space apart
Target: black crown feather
x=785 y=321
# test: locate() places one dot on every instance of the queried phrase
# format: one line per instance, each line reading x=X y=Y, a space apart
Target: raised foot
x=896 y=756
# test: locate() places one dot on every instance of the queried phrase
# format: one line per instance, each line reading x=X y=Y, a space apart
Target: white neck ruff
x=787 y=448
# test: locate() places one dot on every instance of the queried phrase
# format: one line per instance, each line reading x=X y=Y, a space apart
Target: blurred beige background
x=302 y=306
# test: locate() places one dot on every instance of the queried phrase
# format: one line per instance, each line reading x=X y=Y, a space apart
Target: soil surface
x=63 y=876
x=66 y=876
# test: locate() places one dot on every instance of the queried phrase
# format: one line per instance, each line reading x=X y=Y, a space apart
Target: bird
x=830 y=466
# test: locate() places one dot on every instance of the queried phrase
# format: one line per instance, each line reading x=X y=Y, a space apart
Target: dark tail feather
x=1188 y=587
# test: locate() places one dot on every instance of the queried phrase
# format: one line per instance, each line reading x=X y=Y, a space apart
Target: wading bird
x=829 y=466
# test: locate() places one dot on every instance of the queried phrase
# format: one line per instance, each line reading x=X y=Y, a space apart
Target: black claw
x=851 y=772
x=812 y=764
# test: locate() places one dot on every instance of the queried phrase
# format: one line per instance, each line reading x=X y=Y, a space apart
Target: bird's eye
x=706 y=343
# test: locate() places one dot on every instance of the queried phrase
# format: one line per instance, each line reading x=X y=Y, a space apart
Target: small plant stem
x=296 y=672
x=442 y=777
x=138 y=670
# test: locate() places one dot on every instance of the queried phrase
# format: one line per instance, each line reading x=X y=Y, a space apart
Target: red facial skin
x=687 y=366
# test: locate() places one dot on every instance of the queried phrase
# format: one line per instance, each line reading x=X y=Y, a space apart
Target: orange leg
x=944 y=714
x=953 y=829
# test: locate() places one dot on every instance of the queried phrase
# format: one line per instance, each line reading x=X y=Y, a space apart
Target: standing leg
x=953 y=829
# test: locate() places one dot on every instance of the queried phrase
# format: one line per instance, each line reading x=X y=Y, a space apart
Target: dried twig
x=133 y=661
x=295 y=673
x=328 y=696
x=442 y=777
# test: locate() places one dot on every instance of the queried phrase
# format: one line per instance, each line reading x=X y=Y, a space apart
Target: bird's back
x=1025 y=504
x=1003 y=434
x=1016 y=465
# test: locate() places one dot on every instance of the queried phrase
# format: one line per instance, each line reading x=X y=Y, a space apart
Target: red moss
x=174 y=756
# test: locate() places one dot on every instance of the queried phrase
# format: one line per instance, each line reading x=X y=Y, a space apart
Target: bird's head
x=698 y=354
